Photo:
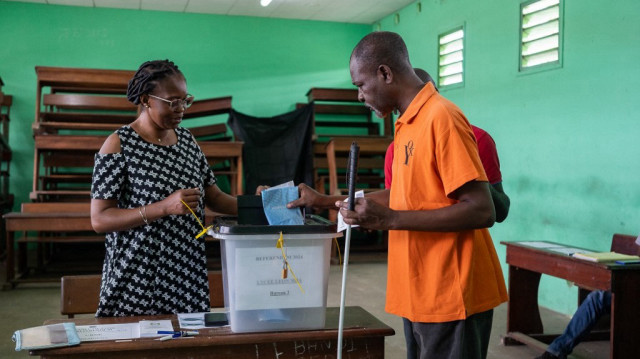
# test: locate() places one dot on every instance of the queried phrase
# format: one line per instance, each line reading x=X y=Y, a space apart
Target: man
x=488 y=156
x=444 y=277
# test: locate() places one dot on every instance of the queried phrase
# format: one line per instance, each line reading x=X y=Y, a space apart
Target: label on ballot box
x=264 y=287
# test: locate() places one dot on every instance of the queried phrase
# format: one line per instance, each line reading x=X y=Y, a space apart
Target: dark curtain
x=276 y=149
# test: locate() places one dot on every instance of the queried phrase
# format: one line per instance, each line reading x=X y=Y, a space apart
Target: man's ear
x=385 y=72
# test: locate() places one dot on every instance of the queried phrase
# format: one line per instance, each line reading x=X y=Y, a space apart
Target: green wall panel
x=567 y=137
x=267 y=65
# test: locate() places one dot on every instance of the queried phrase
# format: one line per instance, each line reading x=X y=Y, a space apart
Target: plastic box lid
x=312 y=224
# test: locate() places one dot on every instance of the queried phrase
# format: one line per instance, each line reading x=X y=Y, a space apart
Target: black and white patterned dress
x=161 y=267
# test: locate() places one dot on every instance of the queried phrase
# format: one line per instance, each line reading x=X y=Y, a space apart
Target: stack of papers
x=606 y=257
x=142 y=329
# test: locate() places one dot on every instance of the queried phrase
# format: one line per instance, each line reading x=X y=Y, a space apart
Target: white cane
x=351 y=180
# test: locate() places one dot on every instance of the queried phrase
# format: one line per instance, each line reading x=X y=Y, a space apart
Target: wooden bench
x=344 y=109
x=6 y=198
x=62 y=167
x=80 y=294
x=331 y=160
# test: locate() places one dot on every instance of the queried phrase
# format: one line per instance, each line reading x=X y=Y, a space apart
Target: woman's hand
x=173 y=204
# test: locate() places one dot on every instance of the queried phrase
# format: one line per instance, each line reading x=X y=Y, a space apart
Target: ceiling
x=350 y=11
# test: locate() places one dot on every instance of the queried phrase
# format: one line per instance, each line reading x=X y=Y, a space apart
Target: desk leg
x=9 y=272
x=523 y=314
x=625 y=316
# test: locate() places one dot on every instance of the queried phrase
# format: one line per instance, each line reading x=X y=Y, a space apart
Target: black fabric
x=276 y=149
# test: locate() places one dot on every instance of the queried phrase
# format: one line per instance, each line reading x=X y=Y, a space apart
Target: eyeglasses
x=175 y=104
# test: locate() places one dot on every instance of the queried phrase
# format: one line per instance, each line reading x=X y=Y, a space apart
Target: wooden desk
x=47 y=222
x=527 y=263
x=363 y=338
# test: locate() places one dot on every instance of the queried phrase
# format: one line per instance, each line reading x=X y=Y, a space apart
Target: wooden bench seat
x=80 y=294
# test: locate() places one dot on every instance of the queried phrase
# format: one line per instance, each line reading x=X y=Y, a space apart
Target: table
x=39 y=220
x=363 y=338
x=527 y=263
x=49 y=222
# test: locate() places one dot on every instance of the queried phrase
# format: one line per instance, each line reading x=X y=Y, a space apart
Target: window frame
x=464 y=63
x=548 y=65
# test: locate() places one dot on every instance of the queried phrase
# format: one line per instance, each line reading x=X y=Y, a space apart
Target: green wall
x=568 y=138
x=267 y=65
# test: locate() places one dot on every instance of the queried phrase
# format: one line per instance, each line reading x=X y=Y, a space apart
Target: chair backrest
x=625 y=244
x=79 y=293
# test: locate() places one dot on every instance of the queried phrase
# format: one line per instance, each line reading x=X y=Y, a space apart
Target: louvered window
x=451 y=58
x=540 y=35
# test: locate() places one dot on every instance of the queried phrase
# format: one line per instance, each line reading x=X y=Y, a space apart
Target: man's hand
x=367 y=213
x=308 y=197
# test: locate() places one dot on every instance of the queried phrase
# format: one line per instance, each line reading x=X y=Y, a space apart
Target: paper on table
x=538 y=244
x=149 y=328
x=568 y=250
x=191 y=320
x=90 y=333
x=142 y=329
x=341 y=225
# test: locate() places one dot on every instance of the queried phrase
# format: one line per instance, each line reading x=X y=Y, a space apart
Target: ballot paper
x=341 y=225
x=142 y=329
x=274 y=201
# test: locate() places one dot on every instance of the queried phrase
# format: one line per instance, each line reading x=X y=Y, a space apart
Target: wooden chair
x=346 y=115
x=625 y=244
x=81 y=99
x=331 y=163
x=84 y=112
x=6 y=198
x=620 y=243
x=231 y=152
x=80 y=294
x=62 y=166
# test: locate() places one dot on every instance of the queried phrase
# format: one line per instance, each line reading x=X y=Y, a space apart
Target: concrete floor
x=30 y=304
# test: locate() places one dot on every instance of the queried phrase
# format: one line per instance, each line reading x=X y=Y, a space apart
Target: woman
x=142 y=175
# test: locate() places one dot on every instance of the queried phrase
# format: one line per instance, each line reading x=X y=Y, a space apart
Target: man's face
x=371 y=88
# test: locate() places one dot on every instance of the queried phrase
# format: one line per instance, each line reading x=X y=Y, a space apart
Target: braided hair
x=148 y=76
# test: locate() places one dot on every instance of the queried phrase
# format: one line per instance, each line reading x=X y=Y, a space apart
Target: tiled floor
x=29 y=304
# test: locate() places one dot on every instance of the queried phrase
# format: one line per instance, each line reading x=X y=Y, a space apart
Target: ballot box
x=275 y=277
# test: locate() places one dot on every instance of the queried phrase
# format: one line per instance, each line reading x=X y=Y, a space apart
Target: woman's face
x=160 y=112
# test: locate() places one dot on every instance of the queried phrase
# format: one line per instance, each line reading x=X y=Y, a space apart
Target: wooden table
x=67 y=222
x=49 y=222
x=363 y=338
x=527 y=263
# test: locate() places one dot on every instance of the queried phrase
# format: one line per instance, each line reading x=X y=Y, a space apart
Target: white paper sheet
x=538 y=244
x=150 y=328
x=341 y=225
x=90 y=333
x=142 y=329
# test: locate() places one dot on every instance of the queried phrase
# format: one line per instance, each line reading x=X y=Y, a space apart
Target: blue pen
x=182 y=333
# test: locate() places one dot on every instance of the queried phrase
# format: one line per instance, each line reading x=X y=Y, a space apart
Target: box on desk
x=256 y=293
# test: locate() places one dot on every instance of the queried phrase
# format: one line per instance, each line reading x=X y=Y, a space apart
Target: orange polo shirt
x=438 y=276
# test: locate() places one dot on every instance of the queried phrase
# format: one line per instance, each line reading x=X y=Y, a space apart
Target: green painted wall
x=267 y=65
x=568 y=138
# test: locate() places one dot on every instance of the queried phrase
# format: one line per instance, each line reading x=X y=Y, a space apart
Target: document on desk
x=191 y=320
x=555 y=247
x=142 y=329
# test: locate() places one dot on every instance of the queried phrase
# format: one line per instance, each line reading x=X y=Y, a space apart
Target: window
x=451 y=58
x=540 y=36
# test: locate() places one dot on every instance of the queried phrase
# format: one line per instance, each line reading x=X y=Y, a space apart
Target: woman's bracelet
x=143 y=214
